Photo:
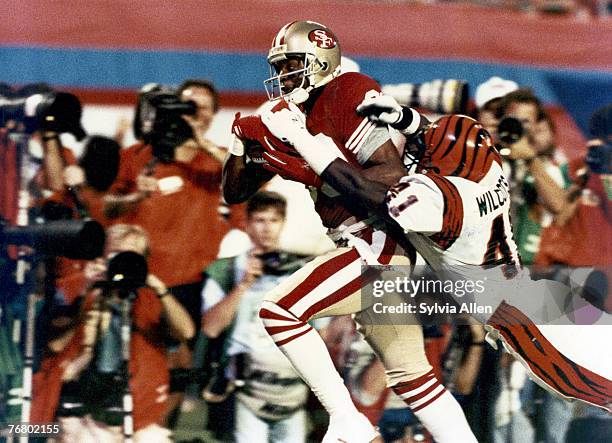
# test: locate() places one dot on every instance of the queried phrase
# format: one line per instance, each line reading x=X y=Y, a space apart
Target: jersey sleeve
x=360 y=136
x=416 y=204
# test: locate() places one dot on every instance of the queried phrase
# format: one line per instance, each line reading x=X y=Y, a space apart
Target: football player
x=455 y=211
x=305 y=65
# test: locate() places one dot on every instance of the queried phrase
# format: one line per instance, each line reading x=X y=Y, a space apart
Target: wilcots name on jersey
x=494 y=199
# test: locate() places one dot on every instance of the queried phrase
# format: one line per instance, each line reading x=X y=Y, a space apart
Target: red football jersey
x=332 y=113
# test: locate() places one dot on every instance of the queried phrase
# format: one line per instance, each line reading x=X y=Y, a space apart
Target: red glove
x=289 y=166
x=252 y=128
x=248 y=128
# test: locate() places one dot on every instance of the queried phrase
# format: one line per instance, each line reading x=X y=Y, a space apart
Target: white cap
x=349 y=65
x=495 y=87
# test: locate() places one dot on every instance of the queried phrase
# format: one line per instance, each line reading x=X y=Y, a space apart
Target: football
x=254 y=151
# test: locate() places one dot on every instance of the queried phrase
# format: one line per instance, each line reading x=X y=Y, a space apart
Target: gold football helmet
x=317 y=47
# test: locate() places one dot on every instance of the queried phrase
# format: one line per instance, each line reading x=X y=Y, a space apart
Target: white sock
x=436 y=408
x=308 y=354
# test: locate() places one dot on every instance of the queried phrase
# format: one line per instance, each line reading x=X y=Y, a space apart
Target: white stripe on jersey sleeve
x=366 y=139
x=416 y=204
x=364 y=123
x=363 y=136
x=370 y=144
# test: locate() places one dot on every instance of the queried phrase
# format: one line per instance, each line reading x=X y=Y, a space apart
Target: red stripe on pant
x=413 y=385
x=293 y=337
x=402 y=388
x=266 y=313
x=333 y=298
x=269 y=319
x=413 y=398
x=318 y=276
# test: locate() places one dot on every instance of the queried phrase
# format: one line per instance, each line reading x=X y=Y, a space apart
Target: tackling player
x=455 y=211
x=305 y=63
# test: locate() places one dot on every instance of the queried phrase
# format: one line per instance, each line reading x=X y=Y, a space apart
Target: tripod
x=23 y=266
x=126 y=335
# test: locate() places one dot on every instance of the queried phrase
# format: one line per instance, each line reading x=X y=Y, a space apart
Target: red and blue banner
x=107 y=49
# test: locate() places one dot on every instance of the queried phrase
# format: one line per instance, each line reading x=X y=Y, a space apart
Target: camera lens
x=510 y=130
x=127 y=271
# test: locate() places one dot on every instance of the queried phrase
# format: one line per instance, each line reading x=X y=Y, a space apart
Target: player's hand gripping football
x=287 y=124
x=247 y=128
x=251 y=129
x=289 y=166
x=243 y=129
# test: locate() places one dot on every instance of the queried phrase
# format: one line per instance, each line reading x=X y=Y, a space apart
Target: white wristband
x=316 y=153
x=31 y=104
x=236 y=147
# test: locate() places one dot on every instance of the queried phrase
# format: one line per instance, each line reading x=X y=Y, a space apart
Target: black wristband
x=405 y=120
x=478 y=343
x=409 y=123
x=160 y=296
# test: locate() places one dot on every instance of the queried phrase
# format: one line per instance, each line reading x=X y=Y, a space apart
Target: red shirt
x=332 y=112
x=9 y=178
x=93 y=201
x=184 y=227
x=585 y=240
x=148 y=367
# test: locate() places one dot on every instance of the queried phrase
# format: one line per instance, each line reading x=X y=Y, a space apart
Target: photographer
x=87 y=182
x=55 y=157
x=579 y=237
x=44 y=114
x=81 y=382
x=543 y=190
x=526 y=136
x=270 y=405
x=206 y=98
x=581 y=232
x=170 y=185
x=488 y=98
x=174 y=178
x=31 y=119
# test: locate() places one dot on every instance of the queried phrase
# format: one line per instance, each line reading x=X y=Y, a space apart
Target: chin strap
x=300 y=95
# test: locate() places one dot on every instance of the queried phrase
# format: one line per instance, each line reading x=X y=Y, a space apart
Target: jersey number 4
x=498 y=251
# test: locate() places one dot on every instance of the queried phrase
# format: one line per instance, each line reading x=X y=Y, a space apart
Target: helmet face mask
x=297 y=77
x=415 y=157
x=318 y=50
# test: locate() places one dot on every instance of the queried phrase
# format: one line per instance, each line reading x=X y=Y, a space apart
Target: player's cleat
x=546 y=365
x=350 y=429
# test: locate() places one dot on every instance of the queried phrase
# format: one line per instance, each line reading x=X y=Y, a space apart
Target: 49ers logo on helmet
x=322 y=39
